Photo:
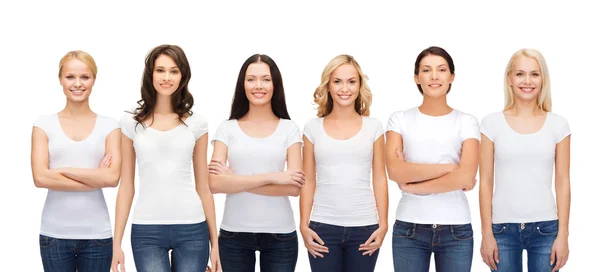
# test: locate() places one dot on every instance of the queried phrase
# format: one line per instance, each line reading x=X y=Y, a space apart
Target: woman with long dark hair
x=257 y=141
x=173 y=212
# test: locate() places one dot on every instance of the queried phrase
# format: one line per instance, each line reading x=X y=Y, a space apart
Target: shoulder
x=288 y=124
x=107 y=121
x=313 y=123
x=466 y=118
x=45 y=121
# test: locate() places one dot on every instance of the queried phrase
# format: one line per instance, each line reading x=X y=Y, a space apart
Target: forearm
x=563 y=203
x=380 y=189
x=485 y=206
x=453 y=181
x=94 y=177
x=276 y=190
x=404 y=172
x=307 y=195
x=208 y=204
x=231 y=184
x=53 y=180
x=122 y=209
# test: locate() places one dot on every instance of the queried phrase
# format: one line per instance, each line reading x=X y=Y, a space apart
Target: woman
x=258 y=140
x=173 y=211
x=74 y=154
x=432 y=154
x=520 y=147
x=342 y=147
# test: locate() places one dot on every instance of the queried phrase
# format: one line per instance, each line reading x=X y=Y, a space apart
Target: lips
x=527 y=89
x=77 y=92
x=259 y=94
x=344 y=96
x=435 y=85
x=166 y=85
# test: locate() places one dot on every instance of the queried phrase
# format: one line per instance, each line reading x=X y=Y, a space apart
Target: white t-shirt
x=523 y=169
x=248 y=212
x=434 y=140
x=343 y=195
x=164 y=158
x=75 y=215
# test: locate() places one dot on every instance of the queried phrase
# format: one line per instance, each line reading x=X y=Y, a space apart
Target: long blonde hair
x=323 y=98
x=544 y=99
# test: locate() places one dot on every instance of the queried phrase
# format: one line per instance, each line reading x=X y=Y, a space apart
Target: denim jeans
x=189 y=244
x=69 y=255
x=537 y=238
x=451 y=245
x=343 y=244
x=278 y=251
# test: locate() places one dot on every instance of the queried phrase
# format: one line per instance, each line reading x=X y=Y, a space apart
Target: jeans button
x=434 y=226
x=522 y=225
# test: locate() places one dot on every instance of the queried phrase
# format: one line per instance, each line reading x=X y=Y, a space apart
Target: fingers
x=371 y=245
x=553 y=257
x=315 y=253
x=560 y=262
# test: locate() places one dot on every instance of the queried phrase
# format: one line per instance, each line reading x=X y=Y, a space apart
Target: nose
x=258 y=84
x=434 y=74
x=527 y=79
x=77 y=82
x=166 y=77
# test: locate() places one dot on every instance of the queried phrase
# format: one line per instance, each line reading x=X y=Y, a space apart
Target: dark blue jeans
x=189 y=244
x=451 y=245
x=278 y=251
x=537 y=238
x=343 y=244
x=69 y=255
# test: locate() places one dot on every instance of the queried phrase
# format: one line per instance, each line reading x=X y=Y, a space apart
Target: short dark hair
x=438 y=51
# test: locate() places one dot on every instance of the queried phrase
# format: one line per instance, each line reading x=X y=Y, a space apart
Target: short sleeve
x=198 y=126
x=42 y=123
x=222 y=134
x=307 y=130
x=562 y=129
x=487 y=125
x=378 y=128
x=294 y=135
x=394 y=123
x=470 y=128
x=127 y=125
x=112 y=124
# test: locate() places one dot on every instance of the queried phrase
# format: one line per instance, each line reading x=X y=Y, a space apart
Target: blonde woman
x=344 y=148
x=521 y=147
x=74 y=154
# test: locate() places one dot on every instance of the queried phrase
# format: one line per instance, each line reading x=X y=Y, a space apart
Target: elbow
x=113 y=179
x=295 y=192
x=39 y=181
x=213 y=184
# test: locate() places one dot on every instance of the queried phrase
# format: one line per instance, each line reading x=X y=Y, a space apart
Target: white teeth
x=259 y=95
x=344 y=96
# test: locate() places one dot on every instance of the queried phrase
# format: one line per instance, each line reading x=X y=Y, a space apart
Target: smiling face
x=77 y=80
x=258 y=84
x=344 y=85
x=434 y=76
x=166 y=75
x=525 y=78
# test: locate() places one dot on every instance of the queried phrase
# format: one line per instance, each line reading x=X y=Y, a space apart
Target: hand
x=400 y=155
x=374 y=242
x=313 y=242
x=215 y=261
x=489 y=251
x=560 y=252
x=289 y=177
x=118 y=258
x=105 y=162
x=406 y=187
x=218 y=168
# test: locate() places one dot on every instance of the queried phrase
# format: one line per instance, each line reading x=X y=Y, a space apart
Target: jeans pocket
x=46 y=241
x=285 y=236
x=314 y=225
x=498 y=228
x=403 y=229
x=227 y=234
x=462 y=232
x=371 y=228
x=103 y=242
x=547 y=227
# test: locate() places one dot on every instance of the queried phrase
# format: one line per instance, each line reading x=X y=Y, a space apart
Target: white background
x=301 y=38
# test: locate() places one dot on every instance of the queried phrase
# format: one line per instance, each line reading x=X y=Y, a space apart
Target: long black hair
x=181 y=100
x=241 y=105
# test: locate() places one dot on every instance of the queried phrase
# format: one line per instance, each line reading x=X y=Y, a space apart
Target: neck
x=435 y=106
x=163 y=104
x=260 y=113
x=341 y=113
x=526 y=108
x=73 y=109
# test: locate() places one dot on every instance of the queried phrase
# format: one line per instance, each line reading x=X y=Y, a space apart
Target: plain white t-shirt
x=434 y=140
x=523 y=169
x=164 y=158
x=343 y=195
x=254 y=213
x=75 y=215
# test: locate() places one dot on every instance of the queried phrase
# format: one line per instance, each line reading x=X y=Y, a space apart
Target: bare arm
x=563 y=184
x=126 y=190
x=380 y=187
x=201 y=176
x=307 y=193
x=458 y=179
x=294 y=161
x=100 y=177
x=486 y=185
x=404 y=172
x=47 y=178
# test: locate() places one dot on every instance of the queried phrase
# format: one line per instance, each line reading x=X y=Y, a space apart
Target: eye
x=352 y=81
x=70 y=77
x=267 y=80
x=174 y=72
x=425 y=70
x=535 y=74
x=85 y=77
x=160 y=70
x=443 y=70
x=250 y=79
x=519 y=74
x=337 y=81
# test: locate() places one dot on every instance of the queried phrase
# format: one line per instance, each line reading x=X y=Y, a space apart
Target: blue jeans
x=451 y=245
x=189 y=244
x=343 y=244
x=537 y=238
x=278 y=251
x=69 y=255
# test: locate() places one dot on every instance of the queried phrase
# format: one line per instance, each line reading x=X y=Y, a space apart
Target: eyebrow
x=265 y=75
x=342 y=79
x=430 y=66
x=524 y=71
x=164 y=67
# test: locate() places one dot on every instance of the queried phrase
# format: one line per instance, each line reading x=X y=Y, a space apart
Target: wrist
x=563 y=234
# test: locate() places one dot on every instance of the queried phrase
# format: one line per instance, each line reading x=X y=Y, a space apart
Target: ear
x=417 y=81
x=451 y=79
